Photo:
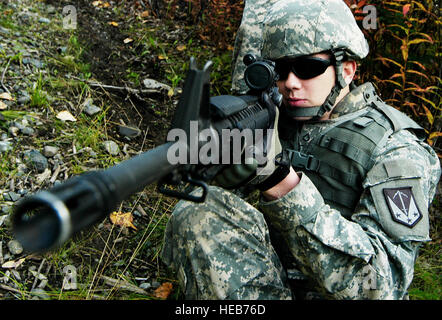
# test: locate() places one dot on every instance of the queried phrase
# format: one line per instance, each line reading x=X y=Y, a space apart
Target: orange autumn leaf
x=406 y=9
x=122 y=219
x=164 y=290
x=113 y=24
x=181 y=47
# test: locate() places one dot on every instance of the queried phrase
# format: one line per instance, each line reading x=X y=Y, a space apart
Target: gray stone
x=50 y=151
x=15 y=247
x=5 y=146
x=111 y=147
x=44 y=20
x=129 y=131
x=36 y=160
x=11 y=196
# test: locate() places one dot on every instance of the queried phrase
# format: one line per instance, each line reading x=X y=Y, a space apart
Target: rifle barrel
x=48 y=218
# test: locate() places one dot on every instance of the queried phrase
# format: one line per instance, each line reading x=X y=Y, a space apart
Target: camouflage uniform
x=248 y=39
x=226 y=248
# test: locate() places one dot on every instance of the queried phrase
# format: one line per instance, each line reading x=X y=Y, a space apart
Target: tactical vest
x=338 y=160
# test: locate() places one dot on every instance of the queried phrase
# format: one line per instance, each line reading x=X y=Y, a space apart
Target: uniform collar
x=355 y=100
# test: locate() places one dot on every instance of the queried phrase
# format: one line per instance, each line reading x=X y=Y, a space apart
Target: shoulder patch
x=401 y=209
x=402 y=206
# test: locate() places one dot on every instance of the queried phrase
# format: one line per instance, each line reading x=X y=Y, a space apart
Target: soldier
x=346 y=215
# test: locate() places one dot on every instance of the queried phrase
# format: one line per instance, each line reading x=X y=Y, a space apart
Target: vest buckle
x=304 y=161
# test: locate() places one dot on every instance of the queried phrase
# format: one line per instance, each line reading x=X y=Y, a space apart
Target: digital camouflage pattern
x=284 y=28
x=222 y=250
x=303 y=27
x=248 y=39
x=225 y=248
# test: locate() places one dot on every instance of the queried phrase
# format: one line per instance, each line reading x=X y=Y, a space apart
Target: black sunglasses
x=303 y=67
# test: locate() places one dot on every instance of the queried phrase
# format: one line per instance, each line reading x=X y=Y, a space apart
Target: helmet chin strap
x=318 y=111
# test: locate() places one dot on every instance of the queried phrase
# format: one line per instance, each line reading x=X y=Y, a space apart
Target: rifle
x=48 y=218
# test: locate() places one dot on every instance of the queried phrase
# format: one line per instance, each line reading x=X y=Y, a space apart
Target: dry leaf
x=127 y=40
x=66 y=116
x=122 y=219
x=113 y=23
x=406 y=9
x=162 y=57
x=144 y=14
x=106 y=5
x=3 y=105
x=6 y=96
x=97 y=3
x=181 y=47
x=164 y=290
x=13 y=264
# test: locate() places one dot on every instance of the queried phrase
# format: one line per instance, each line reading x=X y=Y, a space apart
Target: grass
x=107 y=249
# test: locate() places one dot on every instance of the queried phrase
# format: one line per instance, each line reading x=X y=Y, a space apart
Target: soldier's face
x=305 y=93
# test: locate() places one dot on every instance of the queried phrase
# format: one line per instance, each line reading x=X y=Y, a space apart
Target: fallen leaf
x=13 y=264
x=6 y=96
x=66 y=116
x=97 y=3
x=127 y=40
x=162 y=57
x=3 y=105
x=164 y=290
x=113 y=23
x=106 y=5
x=122 y=219
x=144 y=14
x=181 y=47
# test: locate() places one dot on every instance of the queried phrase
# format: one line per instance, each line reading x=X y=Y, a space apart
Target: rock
x=90 y=108
x=28 y=131
x=11 y=196
x=50 y=151
x=15 y=247
x=35 y=62
x=145 y=285
x=44 y=20
x=36 y=160
x=129 y=131
x=5 y=146
x=111 y=147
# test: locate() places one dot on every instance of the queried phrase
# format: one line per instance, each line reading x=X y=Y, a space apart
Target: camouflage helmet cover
x=294 y=28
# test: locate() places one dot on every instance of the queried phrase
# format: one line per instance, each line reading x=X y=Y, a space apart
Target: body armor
x=338 y=158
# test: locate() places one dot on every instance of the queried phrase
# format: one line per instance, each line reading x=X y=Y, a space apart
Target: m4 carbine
x=50 y=217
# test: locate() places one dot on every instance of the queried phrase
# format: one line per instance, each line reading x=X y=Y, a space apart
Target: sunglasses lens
x=303 y=68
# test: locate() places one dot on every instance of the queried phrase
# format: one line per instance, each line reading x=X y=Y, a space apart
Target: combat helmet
x=296 y=28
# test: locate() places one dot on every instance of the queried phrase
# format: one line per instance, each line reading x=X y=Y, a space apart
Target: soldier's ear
x=349 y=70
